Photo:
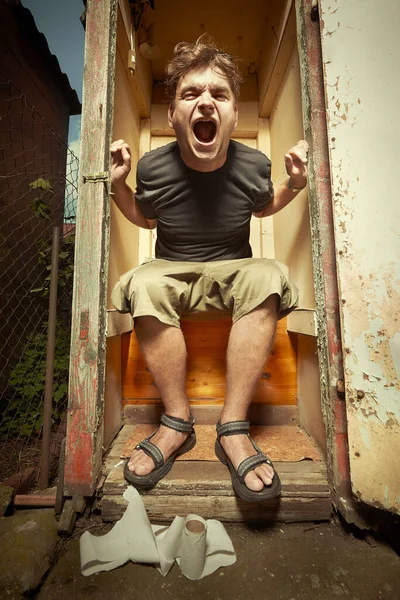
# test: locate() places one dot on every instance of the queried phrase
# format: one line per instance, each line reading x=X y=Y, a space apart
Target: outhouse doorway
x=297 y=408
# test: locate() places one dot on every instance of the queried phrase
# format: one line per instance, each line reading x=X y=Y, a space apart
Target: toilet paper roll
x=200 y=547
x=192 y=549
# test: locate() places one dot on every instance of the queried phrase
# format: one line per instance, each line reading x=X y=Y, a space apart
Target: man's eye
x=221 y=96
x=189 y=96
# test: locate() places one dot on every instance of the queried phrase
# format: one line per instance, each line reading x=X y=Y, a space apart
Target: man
x=200 y=192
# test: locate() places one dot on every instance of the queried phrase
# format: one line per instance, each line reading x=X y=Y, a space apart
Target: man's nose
x=206 y=103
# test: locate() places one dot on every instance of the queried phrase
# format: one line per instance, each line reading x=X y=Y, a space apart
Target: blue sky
x=59 y=21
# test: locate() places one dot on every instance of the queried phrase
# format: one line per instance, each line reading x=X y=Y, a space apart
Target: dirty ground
x=302 y=561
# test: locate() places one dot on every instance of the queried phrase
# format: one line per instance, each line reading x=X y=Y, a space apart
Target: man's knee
x=270 y=306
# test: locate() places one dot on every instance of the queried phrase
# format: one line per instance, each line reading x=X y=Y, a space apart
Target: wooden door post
x=88 y=340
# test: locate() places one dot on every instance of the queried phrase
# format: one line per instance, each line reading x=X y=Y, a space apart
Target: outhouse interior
x=286 y=410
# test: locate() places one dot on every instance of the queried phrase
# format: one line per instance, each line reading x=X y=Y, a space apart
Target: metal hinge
x=95 y=177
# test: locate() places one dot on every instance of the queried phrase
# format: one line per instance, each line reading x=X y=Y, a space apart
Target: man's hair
x=201 y=53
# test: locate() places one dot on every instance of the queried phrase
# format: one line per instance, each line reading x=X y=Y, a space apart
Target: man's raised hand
x=120 y=162
x=296 y=164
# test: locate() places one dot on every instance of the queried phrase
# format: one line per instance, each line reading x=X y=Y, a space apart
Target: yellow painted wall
x=309 y=389
x=292 y=238
x=123 y=234
x=292 y=242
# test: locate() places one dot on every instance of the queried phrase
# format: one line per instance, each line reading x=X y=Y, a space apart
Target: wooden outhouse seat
x=206 y=341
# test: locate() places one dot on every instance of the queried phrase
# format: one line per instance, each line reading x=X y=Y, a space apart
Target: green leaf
x=41 y=183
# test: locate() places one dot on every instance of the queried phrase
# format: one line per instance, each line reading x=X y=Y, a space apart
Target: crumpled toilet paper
x=200 y=547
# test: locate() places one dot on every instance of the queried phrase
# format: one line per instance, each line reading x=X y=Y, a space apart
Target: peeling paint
x=365 y=437
x=363 y=86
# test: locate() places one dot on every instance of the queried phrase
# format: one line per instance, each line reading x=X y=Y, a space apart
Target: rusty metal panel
x=83 y=457
x=362 y=89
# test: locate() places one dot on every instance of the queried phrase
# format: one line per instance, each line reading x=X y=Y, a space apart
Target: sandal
x=247 y=465
x=146 y=482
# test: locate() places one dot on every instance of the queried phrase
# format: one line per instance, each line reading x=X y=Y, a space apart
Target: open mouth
x=205 y=131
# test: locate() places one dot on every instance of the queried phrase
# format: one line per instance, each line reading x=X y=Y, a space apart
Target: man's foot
x=239 y=447
x=167 y=440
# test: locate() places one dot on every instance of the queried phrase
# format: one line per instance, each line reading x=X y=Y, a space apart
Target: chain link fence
x=38 y=191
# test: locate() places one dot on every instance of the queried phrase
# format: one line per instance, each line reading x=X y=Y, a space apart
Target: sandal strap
x=151 y=450
x=233 y=428
x=250 y=463
x=177 y=424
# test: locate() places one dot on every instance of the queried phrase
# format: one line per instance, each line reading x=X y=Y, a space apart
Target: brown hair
x=201 y=53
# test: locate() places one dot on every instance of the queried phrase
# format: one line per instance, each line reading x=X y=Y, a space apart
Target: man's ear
x=170 y=113
x=236 y=116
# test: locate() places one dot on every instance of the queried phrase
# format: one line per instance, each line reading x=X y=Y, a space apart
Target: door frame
x=89 y=315
x=85 y=423
x=324 y=263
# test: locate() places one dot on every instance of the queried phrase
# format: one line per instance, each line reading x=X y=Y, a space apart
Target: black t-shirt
x=203 y=216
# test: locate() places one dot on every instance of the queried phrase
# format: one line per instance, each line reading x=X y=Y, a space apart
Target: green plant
x=39 y=206
x=65 y=265
x=42 y=209
x=24 y=416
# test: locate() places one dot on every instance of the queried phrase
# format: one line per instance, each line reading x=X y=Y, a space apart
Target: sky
x=59 y=21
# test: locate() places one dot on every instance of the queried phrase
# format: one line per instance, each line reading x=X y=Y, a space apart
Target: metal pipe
x=34 y=501
x=51 y=336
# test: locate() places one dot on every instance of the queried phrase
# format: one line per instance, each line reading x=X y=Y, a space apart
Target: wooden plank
x=205 y=414
x=89 y=316
x=310 y=486
x=235 y=509
x=302 y=320
x=124 y=235
x=206 y=344
x=275 y=66
x=206 y=488
x=112 y=395
x=309 y=390
x=188 y=474
x=145 y=235
x=267 y=226
x=224 y=509
x=141 y=79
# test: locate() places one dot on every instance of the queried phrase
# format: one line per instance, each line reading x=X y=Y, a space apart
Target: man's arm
x=296 y=168
x=122 y=194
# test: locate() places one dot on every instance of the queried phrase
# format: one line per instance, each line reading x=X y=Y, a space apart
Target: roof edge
x=26 y=20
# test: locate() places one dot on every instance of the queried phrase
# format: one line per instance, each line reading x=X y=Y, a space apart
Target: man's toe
x=133 y=464
x=266 y=474
x=141 y=470
x=253 y=482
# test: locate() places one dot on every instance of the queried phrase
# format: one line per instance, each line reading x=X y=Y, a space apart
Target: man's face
x=203 y=117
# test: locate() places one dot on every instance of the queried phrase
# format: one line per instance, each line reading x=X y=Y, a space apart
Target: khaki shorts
x=169 y=290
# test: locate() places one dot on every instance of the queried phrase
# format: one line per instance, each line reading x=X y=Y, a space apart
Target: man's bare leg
x=164 y=350
x=249 y=346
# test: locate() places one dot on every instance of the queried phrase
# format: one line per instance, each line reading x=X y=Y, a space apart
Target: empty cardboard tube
x=193 y=547
x=195 y=526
